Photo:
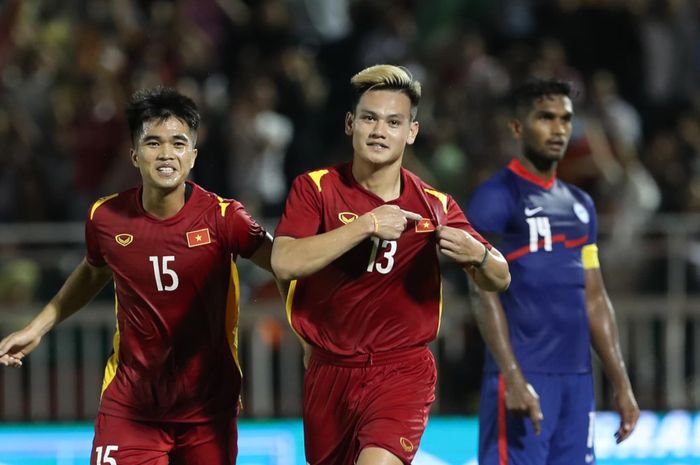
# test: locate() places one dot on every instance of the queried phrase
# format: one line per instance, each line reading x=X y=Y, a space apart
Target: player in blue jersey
x=540 y=330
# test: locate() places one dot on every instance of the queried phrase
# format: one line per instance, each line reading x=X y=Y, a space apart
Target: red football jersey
x=176 y=285
x=380 y=295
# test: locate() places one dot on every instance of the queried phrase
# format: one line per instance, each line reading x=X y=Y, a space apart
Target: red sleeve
x=303 y=210
x=245 y=233
x=94 y=253
x=457 y=219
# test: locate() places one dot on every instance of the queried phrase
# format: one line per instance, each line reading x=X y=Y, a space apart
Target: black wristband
x=483 y=259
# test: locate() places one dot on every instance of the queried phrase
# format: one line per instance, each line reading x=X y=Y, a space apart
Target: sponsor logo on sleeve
x=124 y=239
x=198 y=237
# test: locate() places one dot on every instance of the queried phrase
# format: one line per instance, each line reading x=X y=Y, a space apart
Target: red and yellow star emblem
x=198 y=237
x=425 y=225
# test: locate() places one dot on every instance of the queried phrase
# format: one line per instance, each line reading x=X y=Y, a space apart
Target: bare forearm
x=493 y=275
x=49 y=317
x=297 y=258
x=605 y=341
x=494 y=329
x=79 y=289
x=603 y=328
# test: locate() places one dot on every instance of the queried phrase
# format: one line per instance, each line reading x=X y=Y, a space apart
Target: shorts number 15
x=105 y=459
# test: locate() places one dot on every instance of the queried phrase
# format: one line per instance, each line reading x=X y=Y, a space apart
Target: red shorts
x=122 y=441
x=382 y=400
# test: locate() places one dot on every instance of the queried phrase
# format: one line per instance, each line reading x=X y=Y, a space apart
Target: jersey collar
x=517 y=167
x=195 y=192
x=347 y=168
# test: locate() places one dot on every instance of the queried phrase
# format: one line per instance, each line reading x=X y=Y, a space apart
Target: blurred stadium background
x=271 y=78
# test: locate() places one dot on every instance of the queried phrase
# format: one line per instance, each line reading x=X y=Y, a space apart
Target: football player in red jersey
x=171 y=387
x=359 y=242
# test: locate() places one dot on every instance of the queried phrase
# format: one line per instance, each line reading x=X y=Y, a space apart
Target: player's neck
x=163 y=204
x=545 y=170
x=383 y=181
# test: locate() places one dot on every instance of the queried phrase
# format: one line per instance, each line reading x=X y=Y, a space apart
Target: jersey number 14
x=539 y=228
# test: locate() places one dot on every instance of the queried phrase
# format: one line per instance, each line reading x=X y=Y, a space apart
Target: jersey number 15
x=158 y=269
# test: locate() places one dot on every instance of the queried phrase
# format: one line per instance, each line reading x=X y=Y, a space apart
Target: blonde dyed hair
x=386 y=77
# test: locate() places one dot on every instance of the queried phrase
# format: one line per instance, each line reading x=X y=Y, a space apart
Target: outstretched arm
x=296 y=258
x=605 y=340
x=521 y=398
x=79 y=289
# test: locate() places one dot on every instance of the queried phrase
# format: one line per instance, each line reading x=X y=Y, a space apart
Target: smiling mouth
x=166 y=170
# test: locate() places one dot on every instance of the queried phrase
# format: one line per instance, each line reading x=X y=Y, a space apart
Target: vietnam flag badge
x=425 y=225
x=198 y=237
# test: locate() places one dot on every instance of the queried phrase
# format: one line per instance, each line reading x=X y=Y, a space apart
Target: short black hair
x=531 y=90
x=160 y=103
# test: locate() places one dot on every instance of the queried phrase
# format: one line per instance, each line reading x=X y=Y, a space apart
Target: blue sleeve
x=490 y=208
x=593 y=224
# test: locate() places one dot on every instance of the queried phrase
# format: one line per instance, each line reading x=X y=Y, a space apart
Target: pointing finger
x=411 y=215
x=536 y=418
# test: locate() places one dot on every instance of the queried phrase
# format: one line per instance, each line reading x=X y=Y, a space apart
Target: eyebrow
x=180 y=137
x=551 y=113
x=372 y=113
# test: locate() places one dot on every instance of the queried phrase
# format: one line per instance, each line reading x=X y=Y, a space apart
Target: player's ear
x=349 y=119
x=413 y=132
x=516 y=128
x=134 y=157
x=194 y=157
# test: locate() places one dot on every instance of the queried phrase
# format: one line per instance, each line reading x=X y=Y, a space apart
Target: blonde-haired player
x=359 y=241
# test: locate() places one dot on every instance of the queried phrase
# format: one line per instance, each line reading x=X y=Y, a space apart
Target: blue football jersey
x=540 y=227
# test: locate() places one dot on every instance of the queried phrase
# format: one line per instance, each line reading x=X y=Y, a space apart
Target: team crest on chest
x=347 y=217
x=582 y=213
x=198 y=237
x=124 y=239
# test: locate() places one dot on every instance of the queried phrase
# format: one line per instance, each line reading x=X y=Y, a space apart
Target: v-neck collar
x=517 y=167
x=354 y=183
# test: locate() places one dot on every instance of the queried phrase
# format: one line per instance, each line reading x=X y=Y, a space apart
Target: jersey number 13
x=386 y=262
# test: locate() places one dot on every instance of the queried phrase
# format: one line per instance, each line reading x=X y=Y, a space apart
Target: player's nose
x=378 y=130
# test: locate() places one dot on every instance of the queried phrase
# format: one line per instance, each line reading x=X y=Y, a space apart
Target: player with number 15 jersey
x=176 y=291
x=171 y=386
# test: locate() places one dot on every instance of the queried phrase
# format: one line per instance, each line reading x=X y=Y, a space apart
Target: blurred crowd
x=271 y=78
